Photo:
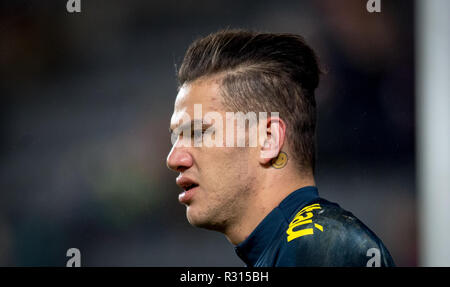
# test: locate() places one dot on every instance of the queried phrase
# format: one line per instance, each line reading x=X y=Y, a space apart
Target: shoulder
x=324 y=234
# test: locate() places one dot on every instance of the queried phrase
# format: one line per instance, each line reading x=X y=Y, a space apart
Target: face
x=217 y=182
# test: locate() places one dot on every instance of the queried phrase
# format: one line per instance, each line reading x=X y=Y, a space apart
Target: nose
x=179 y=159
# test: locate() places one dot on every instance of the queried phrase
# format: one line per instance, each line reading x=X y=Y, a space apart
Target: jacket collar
x=253 y=247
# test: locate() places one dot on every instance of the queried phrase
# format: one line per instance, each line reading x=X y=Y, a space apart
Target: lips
x=189 y=186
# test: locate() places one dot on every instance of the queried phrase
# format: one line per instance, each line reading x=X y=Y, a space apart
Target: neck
x=266 y=196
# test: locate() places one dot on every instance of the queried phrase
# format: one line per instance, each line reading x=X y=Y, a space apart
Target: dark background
x=86 y=100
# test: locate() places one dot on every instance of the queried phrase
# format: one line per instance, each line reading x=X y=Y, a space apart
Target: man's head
x=241 y=71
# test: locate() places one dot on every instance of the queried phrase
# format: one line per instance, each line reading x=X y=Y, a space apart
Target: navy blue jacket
x=306 y=230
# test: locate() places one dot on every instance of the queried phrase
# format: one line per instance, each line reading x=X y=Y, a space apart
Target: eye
x=200 y=132
x=209 y=130
x=197 y=134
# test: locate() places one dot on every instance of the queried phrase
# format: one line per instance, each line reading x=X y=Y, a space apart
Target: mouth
x=189 y=187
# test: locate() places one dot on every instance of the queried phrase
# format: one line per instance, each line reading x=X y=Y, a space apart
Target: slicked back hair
x=262 y=72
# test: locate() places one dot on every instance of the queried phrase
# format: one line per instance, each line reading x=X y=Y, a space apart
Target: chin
x=194 y=218
x=201 y=220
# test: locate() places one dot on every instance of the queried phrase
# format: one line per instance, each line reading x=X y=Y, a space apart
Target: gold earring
x=280 y=161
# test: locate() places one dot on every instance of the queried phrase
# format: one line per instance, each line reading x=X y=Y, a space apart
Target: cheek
x=227 y=167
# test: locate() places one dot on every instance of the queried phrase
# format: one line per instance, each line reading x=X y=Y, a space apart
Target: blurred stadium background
x=86 y=102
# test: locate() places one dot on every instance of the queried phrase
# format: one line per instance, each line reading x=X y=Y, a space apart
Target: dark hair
x=262 y=72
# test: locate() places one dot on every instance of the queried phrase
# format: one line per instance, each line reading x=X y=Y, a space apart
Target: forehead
x=205 y=92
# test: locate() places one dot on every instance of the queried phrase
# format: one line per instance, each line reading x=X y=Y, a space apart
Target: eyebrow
x=190 y=124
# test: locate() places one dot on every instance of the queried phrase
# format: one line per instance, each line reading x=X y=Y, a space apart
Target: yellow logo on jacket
x=303 y=217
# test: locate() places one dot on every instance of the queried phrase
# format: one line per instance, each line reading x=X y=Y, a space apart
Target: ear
x=274 y=133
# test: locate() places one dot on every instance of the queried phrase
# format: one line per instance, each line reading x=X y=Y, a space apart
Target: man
x=262 y=196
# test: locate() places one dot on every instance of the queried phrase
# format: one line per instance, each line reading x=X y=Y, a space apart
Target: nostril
x=180 y=169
